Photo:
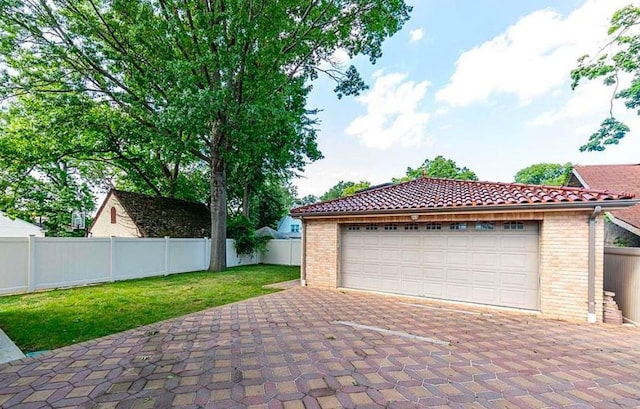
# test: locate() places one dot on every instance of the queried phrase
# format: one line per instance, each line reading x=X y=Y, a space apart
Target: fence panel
x=234 y=259
x=137 y=258
x=283 y=252
x=622 y=276
x=187 y=255
x=14 y=259
x=61 y=262
x=37 y=263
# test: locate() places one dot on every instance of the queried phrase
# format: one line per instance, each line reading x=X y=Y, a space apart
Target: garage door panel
x=390 y=254
x=485 y=260
x=487 y=278
x=458 y=258
x=433 y=242
x=370 y=268
x=429 y=257
x=519 y=280
x=352 y=253
x=516 y=298
x=388 y=240
x=517 y=261
x=486 y=295
x=434 y=273
x=484 y=242
x=372 y=238
x=412 y=287
x=498 y=267
x=375 y=283
x=458 y=275
x=435 y=290
x=409 y=256
x=411 y=272
x=458 y=292
x=458 y=240
x=352 y=240
x=519 y=243
x=411 y=241
x=371 y=254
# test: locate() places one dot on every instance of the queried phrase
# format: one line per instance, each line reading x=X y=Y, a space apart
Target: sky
x=483 y=82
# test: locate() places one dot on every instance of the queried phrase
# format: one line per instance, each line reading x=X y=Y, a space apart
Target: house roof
x=615 y=178
x=267 y=231
x=431 y=194
x=17 y=227
x=162 y=216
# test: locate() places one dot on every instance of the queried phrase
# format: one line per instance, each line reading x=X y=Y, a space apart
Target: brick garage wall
x=564 y=265
x=321 y=242
x=564 y=252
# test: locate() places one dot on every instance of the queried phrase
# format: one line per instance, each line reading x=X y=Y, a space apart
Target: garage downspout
x=303 y=264
x=591 y=316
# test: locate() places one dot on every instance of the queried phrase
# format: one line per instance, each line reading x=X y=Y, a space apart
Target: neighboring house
x=500 y=244
x=267 y=231
x=18 y=228
x=290 y=228
x=127 y=214
x=623 y=225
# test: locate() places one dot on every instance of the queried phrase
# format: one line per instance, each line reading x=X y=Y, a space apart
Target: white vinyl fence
x=35 y=263
x=622 y=276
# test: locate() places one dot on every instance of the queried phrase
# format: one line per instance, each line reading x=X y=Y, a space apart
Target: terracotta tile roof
x=625 y=178
x=431 y=194
x=162 y=216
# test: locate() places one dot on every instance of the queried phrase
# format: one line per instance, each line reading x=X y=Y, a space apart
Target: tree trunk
x=245 y=202
x=218 y=181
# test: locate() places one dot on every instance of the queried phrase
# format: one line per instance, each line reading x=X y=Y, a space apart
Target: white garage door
x=492 y=263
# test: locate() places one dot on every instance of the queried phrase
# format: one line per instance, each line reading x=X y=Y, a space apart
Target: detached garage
x=510 y=245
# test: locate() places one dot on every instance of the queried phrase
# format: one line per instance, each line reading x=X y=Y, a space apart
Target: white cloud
x=393 y=116
x=531 y=58
x=416 y=35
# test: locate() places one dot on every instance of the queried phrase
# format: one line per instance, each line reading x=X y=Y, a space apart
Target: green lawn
x=57 y=318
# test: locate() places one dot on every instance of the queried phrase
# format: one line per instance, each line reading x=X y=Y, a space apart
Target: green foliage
x=224 y=85
x=53 y=319
x=355 y=188
x=270 y=203
x=242 y=230
x=548 y=174
x=438 y=167
x=343 y=188
x=626 y=40
x=336 y=190
x=306 y=200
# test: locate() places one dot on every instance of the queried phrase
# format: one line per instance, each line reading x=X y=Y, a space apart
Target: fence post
x=204 y=262
x=31 y=264
x=290 y=252
x=166 y=255
x=111 y=257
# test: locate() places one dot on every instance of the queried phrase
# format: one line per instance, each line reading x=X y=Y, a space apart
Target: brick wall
x=564 y=265
x=322 y=241
x=564 y=252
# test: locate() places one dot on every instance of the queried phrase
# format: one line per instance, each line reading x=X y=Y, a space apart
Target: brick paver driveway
x=314 y=348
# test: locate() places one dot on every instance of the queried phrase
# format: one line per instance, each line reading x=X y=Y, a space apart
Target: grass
x=56 y=318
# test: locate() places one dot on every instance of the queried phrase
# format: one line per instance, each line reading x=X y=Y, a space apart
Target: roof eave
x=624 y=224
x=608 y=204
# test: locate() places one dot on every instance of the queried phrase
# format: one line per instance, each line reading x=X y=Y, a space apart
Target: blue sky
x=482 y=82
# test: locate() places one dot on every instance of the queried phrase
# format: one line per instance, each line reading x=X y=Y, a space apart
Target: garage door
x=492 y=263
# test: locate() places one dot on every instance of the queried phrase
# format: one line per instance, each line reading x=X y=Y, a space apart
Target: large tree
x=438 y=167
x=343 y=188
x=214 y=79
x=549 y=174
x=623 y=62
